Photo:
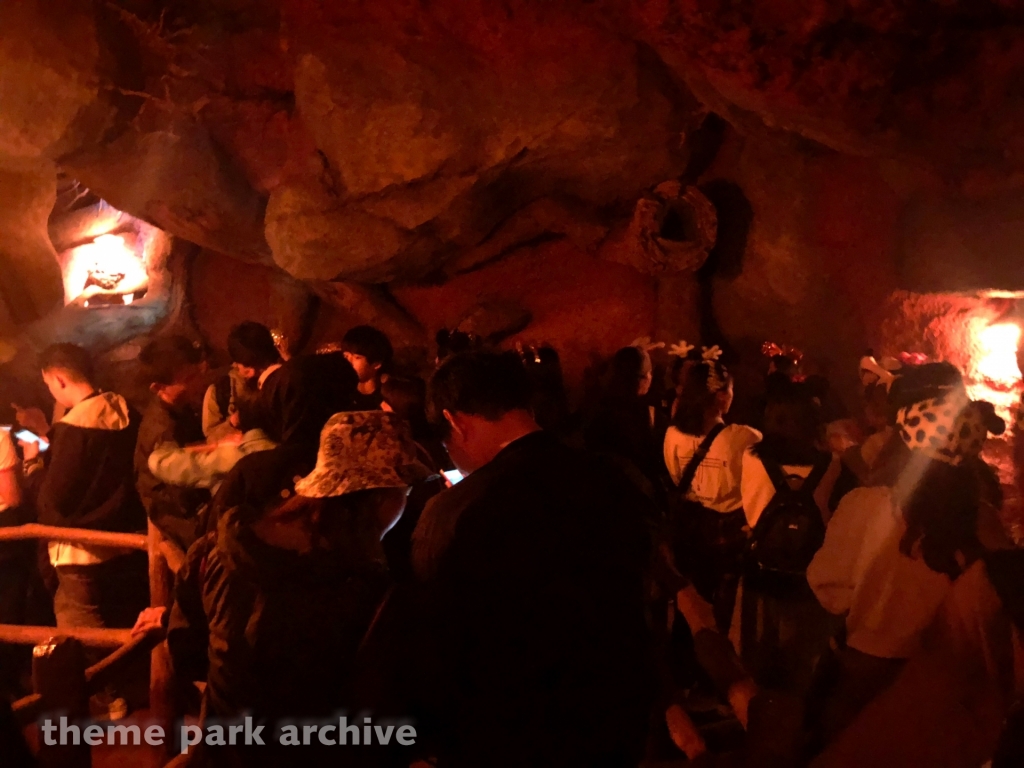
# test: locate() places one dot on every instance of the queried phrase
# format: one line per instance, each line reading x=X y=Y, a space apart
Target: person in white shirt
x=206 y=465
x=709 y=525
x=891 y=553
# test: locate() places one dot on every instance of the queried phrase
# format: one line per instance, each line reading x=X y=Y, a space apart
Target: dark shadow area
x=704 y=145
x=735 y=216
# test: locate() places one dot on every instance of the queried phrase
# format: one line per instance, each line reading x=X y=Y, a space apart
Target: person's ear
x=454 y=423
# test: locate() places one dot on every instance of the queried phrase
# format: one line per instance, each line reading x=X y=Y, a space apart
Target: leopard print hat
x=948 y=428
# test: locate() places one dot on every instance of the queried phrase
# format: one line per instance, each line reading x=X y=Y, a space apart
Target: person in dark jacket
x=623 y=425
x=174 y=370
x=272 y=609
x=531 y=647
x=296 y=402
x=89 y=483
x=369 y=352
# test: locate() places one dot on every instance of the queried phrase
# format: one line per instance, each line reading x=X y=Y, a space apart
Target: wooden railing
x=60 y=678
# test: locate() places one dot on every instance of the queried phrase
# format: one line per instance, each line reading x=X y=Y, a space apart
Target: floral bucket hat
x=361 y=450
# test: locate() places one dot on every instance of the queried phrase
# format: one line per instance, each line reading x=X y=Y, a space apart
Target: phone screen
x=31 y=437
x=454 y=476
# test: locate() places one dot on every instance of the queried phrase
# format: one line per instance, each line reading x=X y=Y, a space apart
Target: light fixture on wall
x=107 y=268
x=996 y=376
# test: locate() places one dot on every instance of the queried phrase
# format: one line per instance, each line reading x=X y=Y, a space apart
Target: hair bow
x=645 y=344
x=711 y=353
x=682 y=349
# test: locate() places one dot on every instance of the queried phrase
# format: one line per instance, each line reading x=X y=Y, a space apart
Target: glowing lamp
x=107 y=265
x=998 y=359
x=994 y=375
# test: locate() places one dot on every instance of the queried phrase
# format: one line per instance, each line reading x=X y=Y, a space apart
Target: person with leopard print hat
x=893 y=549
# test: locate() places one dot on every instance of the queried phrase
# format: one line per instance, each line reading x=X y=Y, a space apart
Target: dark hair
x=628 y=367
x=71 y=359
x=792 y=428
x=784 y=364
x=941 y=514
x=249 y=405
x=407 y=397
x=550 y=400
x=252 y=345
x=454 y=343
x=162 y=359
x=371 y=343
x=487 y=384
x=696 y=400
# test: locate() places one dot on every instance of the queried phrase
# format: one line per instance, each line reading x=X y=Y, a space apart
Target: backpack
x=790 y=530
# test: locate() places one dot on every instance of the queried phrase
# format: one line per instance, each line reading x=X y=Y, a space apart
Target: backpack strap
x=690 y=472
x=810 y=483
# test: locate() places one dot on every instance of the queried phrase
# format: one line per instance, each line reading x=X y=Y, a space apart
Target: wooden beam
x=173 y=555
x=74 y=536
x=93 y=638
x=100 y=673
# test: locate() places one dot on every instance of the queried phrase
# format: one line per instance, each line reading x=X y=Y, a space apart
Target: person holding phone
x=88 y=482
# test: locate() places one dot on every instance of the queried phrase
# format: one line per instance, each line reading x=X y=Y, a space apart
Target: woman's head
x=407 y=399
x=706 y=396
x=792 y=428
x=631 y=373
x=940 y=508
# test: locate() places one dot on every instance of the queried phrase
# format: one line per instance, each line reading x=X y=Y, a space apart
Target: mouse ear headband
x=717 y=374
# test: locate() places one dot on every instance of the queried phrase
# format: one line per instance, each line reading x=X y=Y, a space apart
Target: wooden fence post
x=161 y=693
x=58 y=675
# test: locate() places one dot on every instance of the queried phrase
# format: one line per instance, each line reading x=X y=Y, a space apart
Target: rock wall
x=404 y=163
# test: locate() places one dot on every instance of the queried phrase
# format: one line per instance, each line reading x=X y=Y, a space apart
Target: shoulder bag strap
x=695 y=461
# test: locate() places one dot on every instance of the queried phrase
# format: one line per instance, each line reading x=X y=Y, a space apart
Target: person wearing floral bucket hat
x=273 y=606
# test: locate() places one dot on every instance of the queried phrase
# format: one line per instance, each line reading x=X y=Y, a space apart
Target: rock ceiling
x=397 y=140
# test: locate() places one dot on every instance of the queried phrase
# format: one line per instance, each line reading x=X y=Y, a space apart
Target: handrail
x=93 y=638
x=99 y=673
x=174 y=555
x=28 y=708
x=74 y=536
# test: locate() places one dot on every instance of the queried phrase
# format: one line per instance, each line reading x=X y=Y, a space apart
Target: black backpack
x=790 y=530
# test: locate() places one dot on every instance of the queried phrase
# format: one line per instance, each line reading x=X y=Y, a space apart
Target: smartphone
x=454 y=476
x=31 y=437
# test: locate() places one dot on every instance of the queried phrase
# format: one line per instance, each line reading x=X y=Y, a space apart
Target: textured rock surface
x=932 y=80
x=30 y=280
x=818 y=261
x=344 y=305
x=224 y=292
x=49 y=55
x=582 y=305
x=502 y=145
x=176 y=178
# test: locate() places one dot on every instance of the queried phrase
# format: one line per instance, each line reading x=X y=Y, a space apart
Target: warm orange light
x=106 y=265
x=998 y=361
x=994 y=375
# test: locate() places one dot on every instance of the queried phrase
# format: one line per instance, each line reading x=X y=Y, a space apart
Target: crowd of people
x=534 y=586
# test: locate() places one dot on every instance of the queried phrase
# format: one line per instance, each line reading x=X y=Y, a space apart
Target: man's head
x=252 y=349
x=368 y=350
x=68 y=373
x=249 y=410
x=174 y=369
x=480 y=401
